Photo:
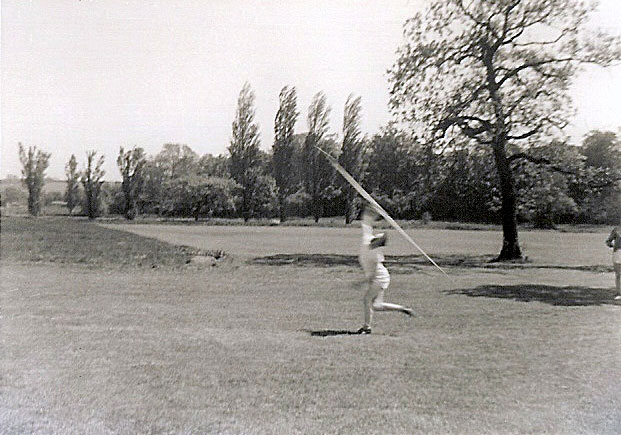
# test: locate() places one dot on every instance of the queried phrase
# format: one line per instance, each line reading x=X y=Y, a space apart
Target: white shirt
x=369 y=258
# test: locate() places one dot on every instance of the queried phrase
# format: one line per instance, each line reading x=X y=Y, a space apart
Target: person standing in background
x=614 y=242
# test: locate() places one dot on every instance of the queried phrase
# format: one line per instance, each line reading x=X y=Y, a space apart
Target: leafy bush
x=298 y=204
x=194 y=196
x=114 y=198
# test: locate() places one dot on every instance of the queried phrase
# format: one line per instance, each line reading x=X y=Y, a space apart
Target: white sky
x=81 y=75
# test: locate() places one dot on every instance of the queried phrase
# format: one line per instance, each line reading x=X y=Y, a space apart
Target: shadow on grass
x=560 y=296
x=398 y=262
x=312 y=260
x=408 y=263
x=332 y=332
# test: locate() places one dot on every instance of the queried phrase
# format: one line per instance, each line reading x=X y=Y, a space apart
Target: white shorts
x=616 y=257
x=382 y=277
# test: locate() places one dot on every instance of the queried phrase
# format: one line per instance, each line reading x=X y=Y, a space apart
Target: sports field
x=126 y=341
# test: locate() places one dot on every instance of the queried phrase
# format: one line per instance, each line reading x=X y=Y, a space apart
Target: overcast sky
x=81 y=75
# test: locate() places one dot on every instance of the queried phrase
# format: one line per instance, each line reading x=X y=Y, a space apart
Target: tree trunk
x=510 y=244
x=245 y=207
x=34 y=200
x=89 y=206
x=282 y=208
x=316 y=209
x=128 y=206
x=31 y=204
x=349 y=206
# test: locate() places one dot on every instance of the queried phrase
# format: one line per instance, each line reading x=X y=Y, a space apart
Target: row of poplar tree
x=410 y=180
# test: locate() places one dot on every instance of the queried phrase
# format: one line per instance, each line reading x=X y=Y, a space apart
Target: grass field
x=79 y=241
x=125 y=348
x=543 y=248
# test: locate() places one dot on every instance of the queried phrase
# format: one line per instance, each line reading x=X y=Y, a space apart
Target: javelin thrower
x=377 y=278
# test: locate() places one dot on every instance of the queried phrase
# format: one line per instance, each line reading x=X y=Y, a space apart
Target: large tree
x=131 y=165
x=600 y=197
x=153 y=191
x=462 y=187
x=244 y=150
x=284 y=147
x=398 y=172
x=92 y=181
x=177 y=160
x=73 y=183
x=214 y=166
x=496 y=72
x=543 y=192
x=172 y=162
x=34 y=163
x=602 y=150
x=318 y=174
x=352 y=152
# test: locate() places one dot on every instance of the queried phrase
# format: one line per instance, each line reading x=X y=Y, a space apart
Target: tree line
x=479 y=98
x=576 y=184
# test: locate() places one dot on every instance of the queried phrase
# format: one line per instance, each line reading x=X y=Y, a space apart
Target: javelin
x=379 y=208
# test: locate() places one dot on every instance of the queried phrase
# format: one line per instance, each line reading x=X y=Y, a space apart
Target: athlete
x=614 y=242
x=377 y=278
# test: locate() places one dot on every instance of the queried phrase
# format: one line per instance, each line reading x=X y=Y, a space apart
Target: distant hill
x=51 y=184
x=55 y=186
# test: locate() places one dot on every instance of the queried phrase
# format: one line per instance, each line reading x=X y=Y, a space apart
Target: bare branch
x=539 y=43
x=527 y=134
x=462 y=123
x=513 y=72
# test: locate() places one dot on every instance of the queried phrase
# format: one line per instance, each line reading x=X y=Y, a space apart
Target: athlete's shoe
x=618 y=298
x=408 y=311
x=364 y=330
